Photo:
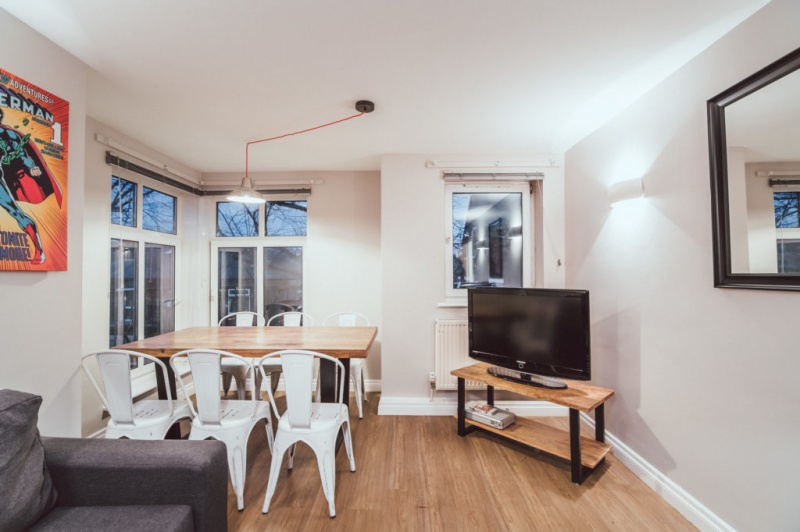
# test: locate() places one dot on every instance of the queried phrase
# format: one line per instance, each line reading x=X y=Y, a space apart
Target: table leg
x=575 y=446
x=600 y=423
x=329 y=382
x=162 y=382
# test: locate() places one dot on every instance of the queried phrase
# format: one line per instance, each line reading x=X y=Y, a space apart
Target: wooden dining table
x=342 y=343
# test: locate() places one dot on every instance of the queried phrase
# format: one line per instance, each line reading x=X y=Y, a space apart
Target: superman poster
x=34 y=127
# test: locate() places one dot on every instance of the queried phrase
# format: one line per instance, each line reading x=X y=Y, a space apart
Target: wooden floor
x=416 y=473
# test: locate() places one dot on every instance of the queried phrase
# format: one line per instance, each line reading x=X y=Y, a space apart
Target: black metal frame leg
x=174 y=432
x=463 y=429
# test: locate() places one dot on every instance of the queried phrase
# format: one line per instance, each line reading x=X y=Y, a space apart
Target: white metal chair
x=291 y=319
x=232 y=369
x=143 y=420
x=229 y=421
x=353 y=319
x=316 y=424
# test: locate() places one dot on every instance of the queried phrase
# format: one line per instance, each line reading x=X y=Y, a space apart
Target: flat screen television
x=532 y=335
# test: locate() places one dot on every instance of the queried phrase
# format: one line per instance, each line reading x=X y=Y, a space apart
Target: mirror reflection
x=763 y=173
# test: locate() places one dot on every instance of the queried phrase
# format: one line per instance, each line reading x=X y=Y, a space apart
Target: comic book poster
x=34 y=127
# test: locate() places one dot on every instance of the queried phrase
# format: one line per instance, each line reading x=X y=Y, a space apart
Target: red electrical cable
x=247 y=147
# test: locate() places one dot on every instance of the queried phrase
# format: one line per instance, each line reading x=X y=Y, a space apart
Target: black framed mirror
x=754 y=148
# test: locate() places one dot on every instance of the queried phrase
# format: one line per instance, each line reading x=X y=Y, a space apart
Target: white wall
x=706 y=378
x=343 y=254
x=413 y=269
x=40 y=318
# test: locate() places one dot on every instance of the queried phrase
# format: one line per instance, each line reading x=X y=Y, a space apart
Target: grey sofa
x=67 y=484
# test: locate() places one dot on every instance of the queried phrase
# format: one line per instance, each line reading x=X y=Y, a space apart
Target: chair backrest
x=291 y=319
x=346 y=319
x=298 y=378
x=242 y=319
x=204 y=365
x=115 y=371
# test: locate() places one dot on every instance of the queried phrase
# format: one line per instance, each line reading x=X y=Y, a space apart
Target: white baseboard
x=689 y=507
x=697 y=514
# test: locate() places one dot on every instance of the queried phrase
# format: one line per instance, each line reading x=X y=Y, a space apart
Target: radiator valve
x=432 y=379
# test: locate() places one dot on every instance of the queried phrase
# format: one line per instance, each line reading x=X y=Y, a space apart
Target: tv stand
x=527 y=378
x=585 y=454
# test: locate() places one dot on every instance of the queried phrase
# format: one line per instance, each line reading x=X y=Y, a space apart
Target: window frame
x=137 y=233
x=525 y=189
x=260 y=244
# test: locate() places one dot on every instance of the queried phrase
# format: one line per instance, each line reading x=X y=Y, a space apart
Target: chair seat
x=234 y=412
x=149 y=411
x=324 y=416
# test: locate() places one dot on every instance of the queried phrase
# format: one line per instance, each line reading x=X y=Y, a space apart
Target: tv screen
x=531 y=330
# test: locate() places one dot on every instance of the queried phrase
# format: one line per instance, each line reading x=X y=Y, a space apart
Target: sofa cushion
x=26 y=490
x=164 y=518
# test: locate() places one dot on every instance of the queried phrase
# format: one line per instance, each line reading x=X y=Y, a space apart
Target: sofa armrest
x=100 y=472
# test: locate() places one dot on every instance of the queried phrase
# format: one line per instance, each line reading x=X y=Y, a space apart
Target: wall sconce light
x=625 y=190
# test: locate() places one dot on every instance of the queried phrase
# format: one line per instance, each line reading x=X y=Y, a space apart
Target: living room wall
x=41 y=312
x=705 y=377
x=413 y=270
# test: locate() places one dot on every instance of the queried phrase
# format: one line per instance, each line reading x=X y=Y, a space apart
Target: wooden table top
x=577 y=395
x=339 y=342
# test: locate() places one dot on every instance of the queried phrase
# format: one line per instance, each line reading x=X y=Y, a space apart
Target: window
x=786 y=212
x=123 y=202
x=264 y=274
x=283 y=280
x=236 y=280
x=144 y=249
x=237 y=219
x=286 y=218
x=788 y=255
x=487 y=241
x=159 y=289
x=124 y=292
x=158 y=211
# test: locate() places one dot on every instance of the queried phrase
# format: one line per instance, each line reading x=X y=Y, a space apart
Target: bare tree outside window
x=237 y=219
x=286 y=218
x=123 y=202
x=158 y=211
x=786 y=209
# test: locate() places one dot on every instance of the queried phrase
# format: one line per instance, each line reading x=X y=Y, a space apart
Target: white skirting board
x=697 y=514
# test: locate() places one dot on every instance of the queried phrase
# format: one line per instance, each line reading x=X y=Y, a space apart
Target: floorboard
x=416 y=473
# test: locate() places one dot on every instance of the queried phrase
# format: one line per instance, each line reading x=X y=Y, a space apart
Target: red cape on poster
x=30 y=188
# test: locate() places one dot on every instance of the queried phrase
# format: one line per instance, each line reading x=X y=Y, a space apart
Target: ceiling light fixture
x=246 y=192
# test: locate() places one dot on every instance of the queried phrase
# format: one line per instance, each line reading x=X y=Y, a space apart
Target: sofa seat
x=73 y=484
x=145 y=518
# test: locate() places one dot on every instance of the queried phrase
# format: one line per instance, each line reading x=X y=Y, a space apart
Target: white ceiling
x=198 y=79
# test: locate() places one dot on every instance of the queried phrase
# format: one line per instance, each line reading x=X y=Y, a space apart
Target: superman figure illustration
x=24 y=177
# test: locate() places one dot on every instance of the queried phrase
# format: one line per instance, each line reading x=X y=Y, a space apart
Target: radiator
x=451 y=353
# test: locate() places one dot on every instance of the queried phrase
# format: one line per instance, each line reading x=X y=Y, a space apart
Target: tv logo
x=521 y=364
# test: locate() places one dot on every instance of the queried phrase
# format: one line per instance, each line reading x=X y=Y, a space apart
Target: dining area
x=290 y=379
